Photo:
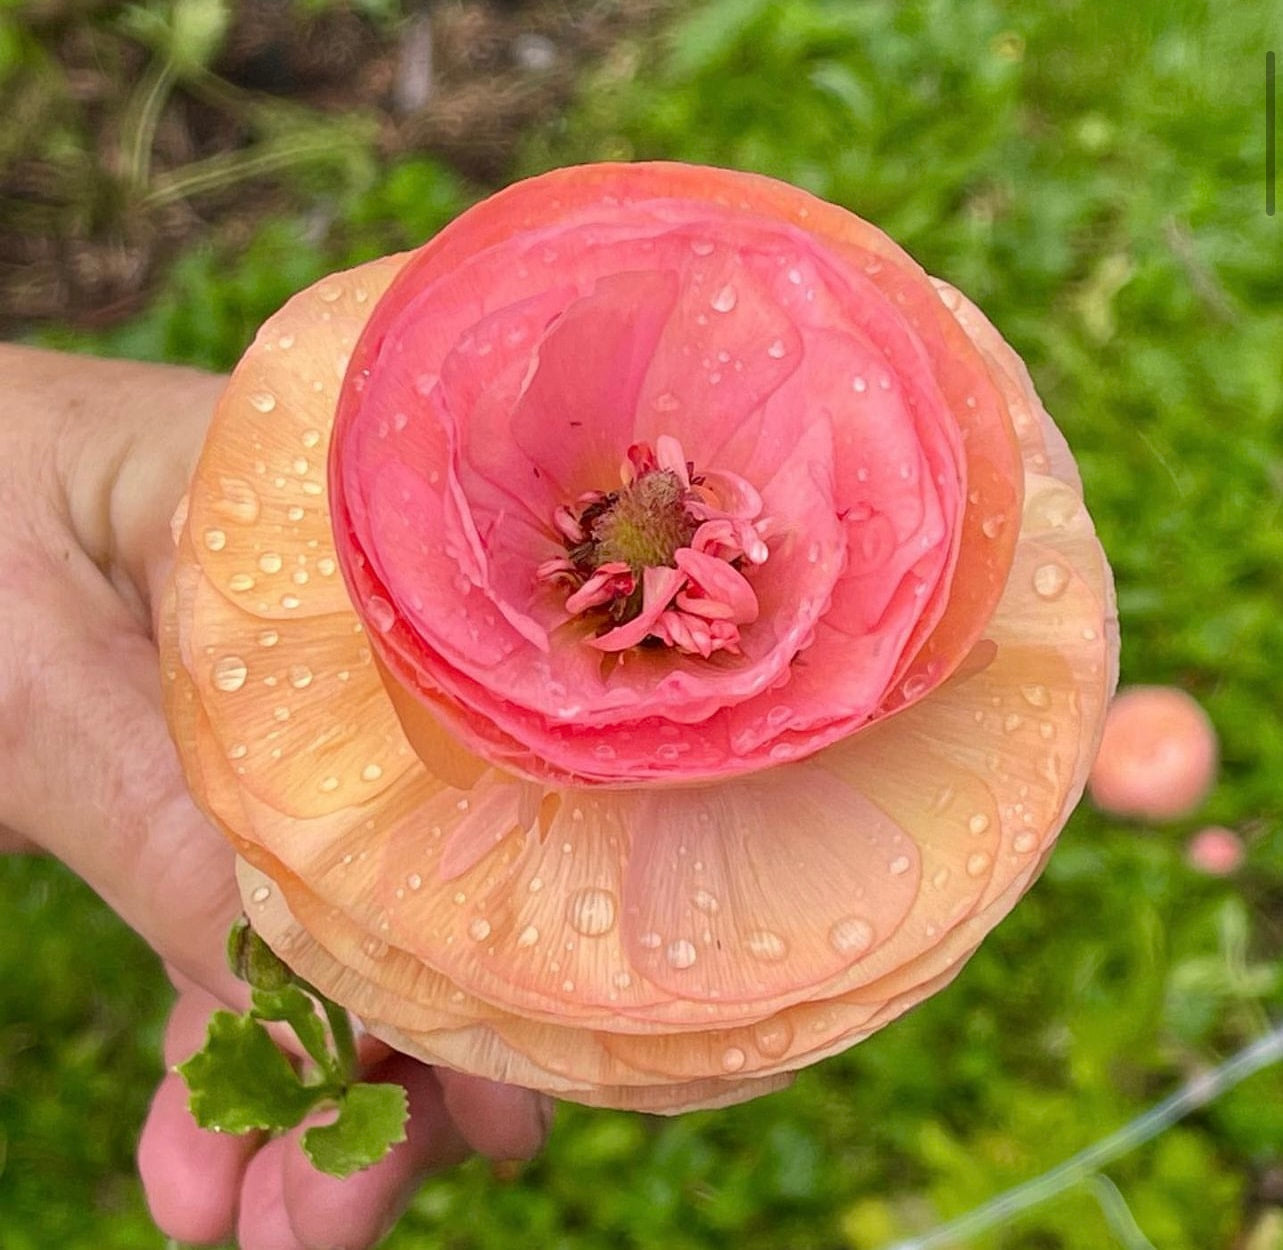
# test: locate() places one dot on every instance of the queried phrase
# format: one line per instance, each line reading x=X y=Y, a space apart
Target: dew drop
x=325 y=566
x=239 y=502
x=264 y=401
x=381 y=613
x=414 y=881
x=1036 y=696
x=859 y=385
x=290 y=601
x=733 y=1059
x=621 y=980
x=680 y=954
x=702 y=247
x=1050 y=580
x=591 y=911
x=776 y=350
x=978 y=823
x=705 y=902
x=851 y=935
x=528 y=936
x=991 y=527
x=229 y=673
x=330 y=292
x=1024 y=843
x=310 y=438
x=650 y=941
x=724 y=301
x=270 y=562
x=767 y=946
x=329 y=785
x=215 y=539
x=371 y=772
x=294 y=512
x=977 y=864
x=237 y=752
x=261 y=895
x=300 y=676
x=899 y=865
x=772 y=1037
x=479 y=929
x=1011 y=722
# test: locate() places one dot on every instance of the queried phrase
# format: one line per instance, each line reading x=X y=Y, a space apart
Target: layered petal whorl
x=843 y=724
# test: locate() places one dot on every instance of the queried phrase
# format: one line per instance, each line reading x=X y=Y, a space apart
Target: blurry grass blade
x=139 y=121
x=1119 y=1214
x=187 y=33
x=323 y=145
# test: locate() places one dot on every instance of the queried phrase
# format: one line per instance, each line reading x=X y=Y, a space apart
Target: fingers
x=354 y=1213
x=501 y=1122
x=192 y=1177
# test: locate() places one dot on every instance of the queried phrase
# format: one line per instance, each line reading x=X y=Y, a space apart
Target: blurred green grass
x=1091 y=174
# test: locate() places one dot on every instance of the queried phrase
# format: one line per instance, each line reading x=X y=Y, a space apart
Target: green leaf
x=371 y=1121
x=298 y=1010
x=240 y=1081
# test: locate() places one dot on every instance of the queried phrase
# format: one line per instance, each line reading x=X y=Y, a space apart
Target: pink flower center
x=660 y=560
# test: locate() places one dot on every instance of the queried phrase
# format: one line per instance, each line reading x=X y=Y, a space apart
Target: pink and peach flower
x=639 y=643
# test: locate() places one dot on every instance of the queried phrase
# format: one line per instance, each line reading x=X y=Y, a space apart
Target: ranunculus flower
x=641 y=642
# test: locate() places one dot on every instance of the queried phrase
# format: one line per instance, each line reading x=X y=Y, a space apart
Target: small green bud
x=252 y=960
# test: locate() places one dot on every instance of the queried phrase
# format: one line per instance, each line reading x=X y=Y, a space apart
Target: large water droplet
x=239 y=502
x=772 y=1037
x=1050 y=580
x=381 y=613
x=528 y=936
x=899 y=865
x=733 y=1059
x=851 y=935
x=766 y=946
x=978 y=823
x=680 y=954
x=215 y=539
x=479 y=929
x=229 y=673
x=725 y=299
x=270 y=562
x=264 y=401
x=300 y=676
x=591 y=911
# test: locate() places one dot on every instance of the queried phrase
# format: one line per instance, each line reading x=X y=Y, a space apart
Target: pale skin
x=94 y=457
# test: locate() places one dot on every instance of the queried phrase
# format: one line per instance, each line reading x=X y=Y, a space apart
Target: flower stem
x=1197 y=1092
x=344 y=1041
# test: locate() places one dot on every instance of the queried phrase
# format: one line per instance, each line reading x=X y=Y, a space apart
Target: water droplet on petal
x=651 y=941
x=702 y=247
x=229 y=673
x=264 y=401
x=977 y=864
x=215 y=539
x=270 y=562
x=310 y=438
x=300 y=676
x=851 y=935
x=776 y=350
x=733 y=1059
x=773 y=1037
x=705 y=902
x=591 y=911
x=766 y=946
x=371 y=772
x=899 y=865
x=261 y=894
x=1024 y=843
x=725 y=299
x=479 y=929
x=978 y=823
x=1036 y=695
x=991 y=527
x=329 y=785
x=528 y=936
x=859 y=385
x=680 y=954
x=1050 y=580
x=381 y=613
x=239 y=502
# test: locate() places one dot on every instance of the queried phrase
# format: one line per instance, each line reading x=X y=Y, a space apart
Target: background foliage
x=1090 y=173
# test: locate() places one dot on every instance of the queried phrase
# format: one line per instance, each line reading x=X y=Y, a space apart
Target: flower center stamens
x=659 y=561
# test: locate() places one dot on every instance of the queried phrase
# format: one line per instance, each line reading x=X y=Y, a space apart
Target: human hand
x=94 y=456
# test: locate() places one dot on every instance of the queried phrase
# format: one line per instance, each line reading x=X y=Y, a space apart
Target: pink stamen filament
x=693 y=599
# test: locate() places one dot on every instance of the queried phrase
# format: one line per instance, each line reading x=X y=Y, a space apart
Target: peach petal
x=258 y=510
